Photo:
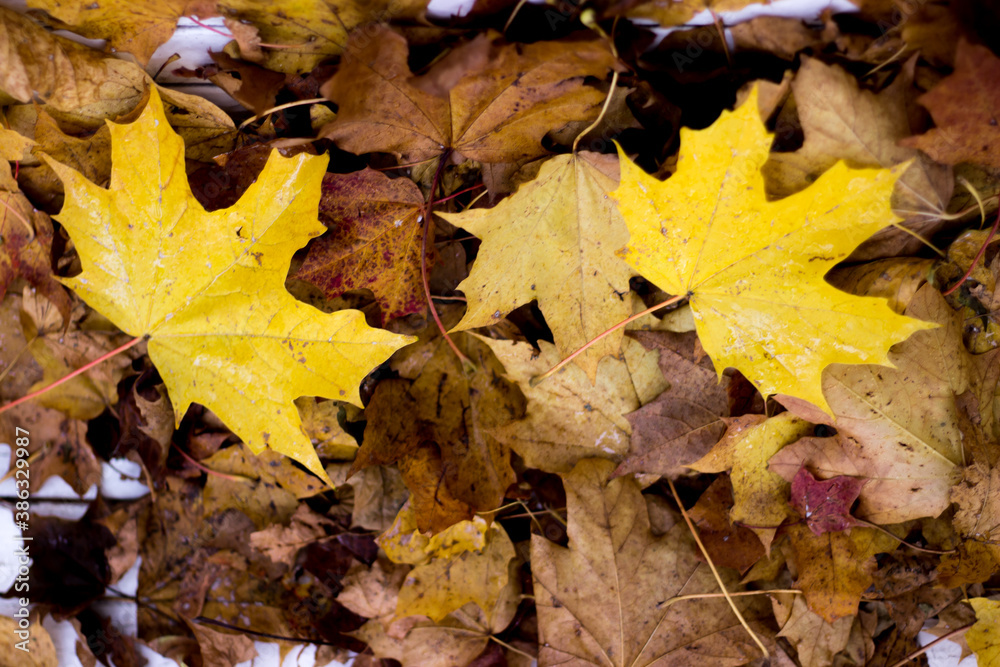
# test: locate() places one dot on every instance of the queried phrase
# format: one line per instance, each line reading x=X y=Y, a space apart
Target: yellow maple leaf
x=754 y=268
x=207 y=289
x=553 y=241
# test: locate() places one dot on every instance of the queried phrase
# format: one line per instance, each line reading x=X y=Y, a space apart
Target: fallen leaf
x=977 y=500
x=320 y=422
x=683 y=422
x=984 y=636
x=27 y=244
x=761 y=496
x=138 y=29
x=60 y=351
x=269 y=467
x=222 y=649
x=499 y=114
x=746 y=315
x=206 y=349
x=89 y=154
x=604 y=599
x=440 y=586
x=311 y=31
x=553 y=241
x=38 y=649
x=282 y=543
x=373 y=241
x=834 y=569
x=816 y=642
x=373 y=592
x=843 y=121
x=569 y=418
x=728 y=545
x=76 y=82
x=897 y=427
x=825 y=505
x=379 y=493
x=964 y=106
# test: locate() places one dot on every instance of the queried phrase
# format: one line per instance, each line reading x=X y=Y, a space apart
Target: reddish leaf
x=373 y=241
x=826 y=504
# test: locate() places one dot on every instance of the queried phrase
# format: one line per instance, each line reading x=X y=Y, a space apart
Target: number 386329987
x=20 y=461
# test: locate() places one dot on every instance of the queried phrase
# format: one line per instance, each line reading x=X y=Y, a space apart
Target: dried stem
x=555 y=369
x=78 y=371
x=715 y=572
x=979 y=255
x=600 y=116
x=904 y=542
x=289 y=105
x=428 y=223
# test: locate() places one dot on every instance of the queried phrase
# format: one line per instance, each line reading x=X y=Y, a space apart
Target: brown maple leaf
x=966 y=110
x=498 y=113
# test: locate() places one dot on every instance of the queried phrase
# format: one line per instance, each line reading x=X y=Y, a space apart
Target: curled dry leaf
x=26 y=250
x=761 y=496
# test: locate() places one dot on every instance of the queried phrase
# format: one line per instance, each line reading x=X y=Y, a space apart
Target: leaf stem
x=600 y=116
x=428 y=222
x=669 y=302
x=715 y=572
x=979 y=255
x=879 y=528
x=20 y=218
x=78 y=371
x=288 y=105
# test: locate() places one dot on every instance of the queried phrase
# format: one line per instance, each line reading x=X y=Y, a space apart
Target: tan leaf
x=897 y=427
x=603 y=600
x=569 y=418
x=683 y=422
x=841 y=121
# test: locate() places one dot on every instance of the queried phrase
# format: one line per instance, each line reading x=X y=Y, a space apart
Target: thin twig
x=215 y=473
x=288 y=105
x=67 y=378
x=255 y=633
x=715 y=572
x=701 y=596
x=923 y=649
